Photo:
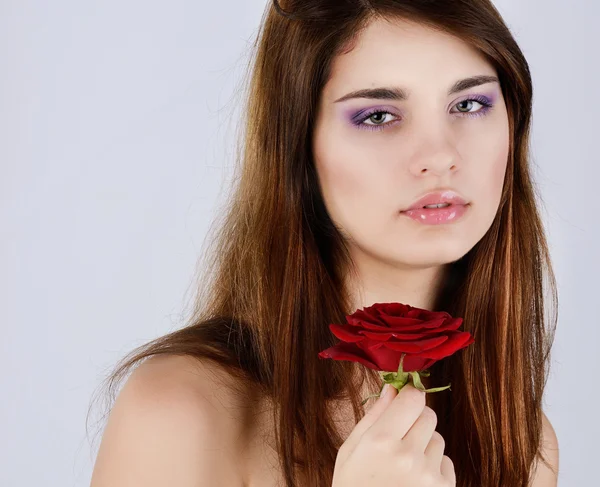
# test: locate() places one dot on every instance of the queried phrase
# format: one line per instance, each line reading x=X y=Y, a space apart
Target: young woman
x=357 y=110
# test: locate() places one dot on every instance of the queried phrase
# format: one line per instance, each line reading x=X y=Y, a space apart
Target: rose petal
x=417 y=346
x=381 y=336
x=378 y=335
x=455 y=342
x=452 y=324
x=388 y=335
x=385 y=359
x=388 y=360
x=405 y=324
x=365 y=322
x=347 y=351
x=374 y=324
x=425 y=314
x=366 y=317
x=345 y=333
x=392 y=309
x=415 y=362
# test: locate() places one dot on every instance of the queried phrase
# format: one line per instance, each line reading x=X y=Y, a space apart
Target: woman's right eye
x=374 y=126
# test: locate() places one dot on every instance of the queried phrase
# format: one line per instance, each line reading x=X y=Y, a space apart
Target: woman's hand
x=395 y=444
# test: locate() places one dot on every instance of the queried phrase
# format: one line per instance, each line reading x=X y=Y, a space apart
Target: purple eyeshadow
x=357 y=118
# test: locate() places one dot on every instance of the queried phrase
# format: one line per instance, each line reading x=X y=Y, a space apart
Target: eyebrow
x=400 y=94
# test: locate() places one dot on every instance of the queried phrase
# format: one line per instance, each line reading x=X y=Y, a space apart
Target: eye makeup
x=358 y=119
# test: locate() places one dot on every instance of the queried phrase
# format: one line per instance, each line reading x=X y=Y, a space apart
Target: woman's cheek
x=500 y=165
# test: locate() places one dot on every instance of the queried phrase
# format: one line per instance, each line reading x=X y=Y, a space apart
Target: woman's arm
x=544 y=477
x=166 y=429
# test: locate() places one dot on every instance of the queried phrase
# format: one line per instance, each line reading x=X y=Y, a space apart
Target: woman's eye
x=378 y=118
x=468 y=104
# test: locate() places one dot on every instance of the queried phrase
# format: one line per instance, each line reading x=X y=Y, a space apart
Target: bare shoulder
x=543 y=475
x=176 y=421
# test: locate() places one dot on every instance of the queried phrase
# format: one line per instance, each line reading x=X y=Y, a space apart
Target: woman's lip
x=437 y=197
x=437 y=216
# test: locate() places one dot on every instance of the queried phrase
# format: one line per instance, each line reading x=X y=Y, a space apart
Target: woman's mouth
x=439 y=214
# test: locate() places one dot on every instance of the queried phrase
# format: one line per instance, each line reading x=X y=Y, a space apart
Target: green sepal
x=400 y=378
x=419 y=385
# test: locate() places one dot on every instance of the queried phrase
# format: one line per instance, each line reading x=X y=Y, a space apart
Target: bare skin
x=261 y=467
x=178 y=422
x=427 y=141
x=367 y=177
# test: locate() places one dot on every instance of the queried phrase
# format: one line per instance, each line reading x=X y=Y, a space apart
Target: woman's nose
x=438 y=167
x=437 y=157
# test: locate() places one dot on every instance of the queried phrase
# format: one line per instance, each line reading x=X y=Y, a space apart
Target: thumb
x=388 y=394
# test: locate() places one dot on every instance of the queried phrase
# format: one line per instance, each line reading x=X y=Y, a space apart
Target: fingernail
x=385 y=389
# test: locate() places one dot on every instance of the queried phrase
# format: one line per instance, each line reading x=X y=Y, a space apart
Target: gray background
x=117 y=127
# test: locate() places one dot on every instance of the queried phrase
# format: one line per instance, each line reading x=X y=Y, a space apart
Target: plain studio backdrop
x=117 y=124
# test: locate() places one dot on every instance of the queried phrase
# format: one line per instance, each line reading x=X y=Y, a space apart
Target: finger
x=447 y=469
x=435 y=449
x=420 y=433
x=388 y=394
x=401 y=413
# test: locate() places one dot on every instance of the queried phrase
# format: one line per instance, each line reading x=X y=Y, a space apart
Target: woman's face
x=376 y=157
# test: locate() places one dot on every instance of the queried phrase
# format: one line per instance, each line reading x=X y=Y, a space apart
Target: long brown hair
x=274 y=278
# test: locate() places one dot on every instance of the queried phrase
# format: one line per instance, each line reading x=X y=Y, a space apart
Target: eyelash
x=482 y=100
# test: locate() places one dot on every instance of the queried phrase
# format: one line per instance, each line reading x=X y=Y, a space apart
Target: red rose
x=379 y=335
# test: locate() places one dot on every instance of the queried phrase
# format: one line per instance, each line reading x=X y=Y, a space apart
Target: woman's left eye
x=466 y=105
x=485 y=103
